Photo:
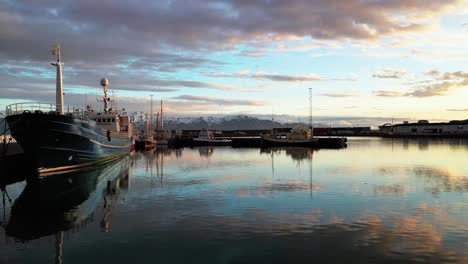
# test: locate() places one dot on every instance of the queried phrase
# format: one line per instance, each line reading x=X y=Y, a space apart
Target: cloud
x=18 y=79
x=433 y=72
x=321 y=54
x=162 y=45
x=268 y=76
x=280 y=77
x=105 y=30
x=390 y=74
x=345 y=123
x=383 y=93
x=337 y=95
x=458 y=110
x=436 y=89
x=218 y=101
x=441 y=84
x=453 y=75
x=286 y=78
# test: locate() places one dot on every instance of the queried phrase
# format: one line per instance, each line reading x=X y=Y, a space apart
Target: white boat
x=298 y=136
x=206 y=138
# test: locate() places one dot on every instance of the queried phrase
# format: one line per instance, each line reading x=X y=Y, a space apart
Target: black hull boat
x=54 y=138
x=50 y=140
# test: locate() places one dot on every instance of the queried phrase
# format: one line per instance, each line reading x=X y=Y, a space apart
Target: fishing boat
x=144 y=139
x=162 y=136
x=297 y=137
x=57 y=137
x=206 y=138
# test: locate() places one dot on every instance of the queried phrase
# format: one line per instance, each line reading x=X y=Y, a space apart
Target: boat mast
x=161 y=118
x=151 y=115
x=272 y=121
x=59 y=84
x=310 y=107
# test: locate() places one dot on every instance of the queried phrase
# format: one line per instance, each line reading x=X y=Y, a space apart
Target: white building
x=425 y=128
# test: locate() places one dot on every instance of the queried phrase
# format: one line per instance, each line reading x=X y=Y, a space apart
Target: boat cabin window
x=99 y=120
x=108 y=120
x=113 y=119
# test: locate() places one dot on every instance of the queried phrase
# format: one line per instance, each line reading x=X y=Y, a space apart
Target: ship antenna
x=59 y=84
x=272 y=121
x=310 y=107
x=162 y=120
x=151 y=115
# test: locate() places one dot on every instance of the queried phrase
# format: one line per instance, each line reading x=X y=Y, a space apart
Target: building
x=342 y=131
x=425 y=128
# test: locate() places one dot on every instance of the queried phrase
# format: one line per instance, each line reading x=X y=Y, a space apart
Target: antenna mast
x=272 y=121
x=310 y=107
x=151 y=116
x=59 y=84
x=161 y=117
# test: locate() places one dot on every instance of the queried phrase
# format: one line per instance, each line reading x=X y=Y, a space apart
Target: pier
x=252 y=139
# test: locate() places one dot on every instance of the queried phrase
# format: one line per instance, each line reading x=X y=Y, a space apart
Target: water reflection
x=296 y=153
x=205 y=151
x=52 y=204
x=373 y=202
x=437 y=179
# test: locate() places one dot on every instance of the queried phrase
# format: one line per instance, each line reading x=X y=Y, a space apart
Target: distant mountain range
x=237 y=122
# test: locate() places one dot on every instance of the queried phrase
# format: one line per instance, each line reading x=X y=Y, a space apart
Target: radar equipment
x=106 y=99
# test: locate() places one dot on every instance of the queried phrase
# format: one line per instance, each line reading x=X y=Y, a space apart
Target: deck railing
x=46 y=108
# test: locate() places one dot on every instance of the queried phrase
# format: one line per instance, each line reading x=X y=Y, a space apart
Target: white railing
x=44 y=108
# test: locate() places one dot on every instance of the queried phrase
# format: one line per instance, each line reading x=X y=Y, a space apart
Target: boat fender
x=108 y=135
x=26 y=112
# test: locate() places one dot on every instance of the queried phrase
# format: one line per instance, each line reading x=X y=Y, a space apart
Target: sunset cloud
x=337 y=95
x=140 y=29
x=383 y=93
x=390 y=74
x=218 y=101
x=199 y=48
x=441 y=84
x=269 y=76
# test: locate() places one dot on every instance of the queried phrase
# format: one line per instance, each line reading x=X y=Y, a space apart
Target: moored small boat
x=298 y=137
x=206 y=138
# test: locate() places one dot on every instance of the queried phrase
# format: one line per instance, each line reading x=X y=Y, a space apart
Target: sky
x=366 y=61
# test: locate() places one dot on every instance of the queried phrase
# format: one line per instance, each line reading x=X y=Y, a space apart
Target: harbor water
x=376 y=201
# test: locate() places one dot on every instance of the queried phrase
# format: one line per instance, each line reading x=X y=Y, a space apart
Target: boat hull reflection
x=57 y=203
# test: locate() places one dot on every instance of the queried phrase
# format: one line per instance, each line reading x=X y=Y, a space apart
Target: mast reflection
x=298 y=154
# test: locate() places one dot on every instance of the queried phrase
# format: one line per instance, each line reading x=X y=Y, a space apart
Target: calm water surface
x=378 y=201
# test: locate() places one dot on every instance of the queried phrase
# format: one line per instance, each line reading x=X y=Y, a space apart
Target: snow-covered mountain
x=237 y=122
